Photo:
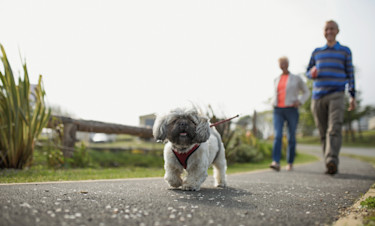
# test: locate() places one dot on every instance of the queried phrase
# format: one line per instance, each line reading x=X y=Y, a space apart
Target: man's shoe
x=331 y=168
x=275 y=166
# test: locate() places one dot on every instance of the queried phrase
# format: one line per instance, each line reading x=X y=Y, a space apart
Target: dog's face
x=182 y=127
x=181 y=131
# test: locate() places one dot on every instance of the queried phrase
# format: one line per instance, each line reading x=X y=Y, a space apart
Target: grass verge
x=365 y=139
x=368 y=159
x=44 y=175
x=368 y=206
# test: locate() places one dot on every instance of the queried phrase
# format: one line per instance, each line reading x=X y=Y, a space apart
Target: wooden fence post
x=255 y=129
x=69 y=139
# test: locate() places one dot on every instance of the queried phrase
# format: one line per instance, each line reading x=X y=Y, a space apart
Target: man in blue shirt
x=331 y=70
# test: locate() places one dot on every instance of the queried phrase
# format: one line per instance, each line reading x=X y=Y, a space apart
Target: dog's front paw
x=173 y=181
x=187 y=187
x=221 y=185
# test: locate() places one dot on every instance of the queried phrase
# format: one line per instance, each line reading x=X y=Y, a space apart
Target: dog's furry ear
x=159 y=129
x=202 y=130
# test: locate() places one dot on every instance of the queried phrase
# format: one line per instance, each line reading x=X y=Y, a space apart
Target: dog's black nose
x=182 y=124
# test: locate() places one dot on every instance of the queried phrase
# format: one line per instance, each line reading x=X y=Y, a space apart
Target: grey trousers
x=328 y=113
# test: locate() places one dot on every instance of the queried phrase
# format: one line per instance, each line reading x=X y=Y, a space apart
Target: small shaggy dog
x=192 y=146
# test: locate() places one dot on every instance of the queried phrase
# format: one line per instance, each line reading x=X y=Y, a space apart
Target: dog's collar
x=183 y=157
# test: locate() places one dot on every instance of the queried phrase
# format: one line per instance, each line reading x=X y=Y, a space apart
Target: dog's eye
x=172 y=122
x=193 y=121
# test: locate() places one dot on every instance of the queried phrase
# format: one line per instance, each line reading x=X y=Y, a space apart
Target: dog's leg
x=194 y=179
x=173 y=176
x=220 y=168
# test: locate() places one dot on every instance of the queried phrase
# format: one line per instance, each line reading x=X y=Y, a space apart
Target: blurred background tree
x=355 y=115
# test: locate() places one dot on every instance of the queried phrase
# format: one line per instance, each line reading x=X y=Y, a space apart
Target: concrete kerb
x=355 y=215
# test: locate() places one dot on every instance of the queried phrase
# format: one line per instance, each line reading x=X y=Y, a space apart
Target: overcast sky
x=113 y=60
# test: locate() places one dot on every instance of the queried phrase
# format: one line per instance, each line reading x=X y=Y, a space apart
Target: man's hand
x=296 y=104
x=314 y=72
x=352 y=104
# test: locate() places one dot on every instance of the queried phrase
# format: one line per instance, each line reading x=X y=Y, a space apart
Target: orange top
x=281 y=90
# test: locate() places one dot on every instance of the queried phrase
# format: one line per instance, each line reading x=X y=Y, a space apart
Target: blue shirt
x=335 y=70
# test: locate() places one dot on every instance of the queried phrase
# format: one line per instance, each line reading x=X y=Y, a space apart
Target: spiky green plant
x=21 y=119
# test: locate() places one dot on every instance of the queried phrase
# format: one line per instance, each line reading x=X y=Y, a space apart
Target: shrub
x=248 y=148
x=80 y=158
x=23 y=115
x=244 y=153
x=240 y=145
x=55 y=158
x=49 y=154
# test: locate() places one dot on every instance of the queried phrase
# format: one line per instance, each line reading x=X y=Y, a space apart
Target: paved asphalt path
x=305 y=196
x=369 y=152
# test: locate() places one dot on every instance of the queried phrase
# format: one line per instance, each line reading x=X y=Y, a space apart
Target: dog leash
x=222 y=121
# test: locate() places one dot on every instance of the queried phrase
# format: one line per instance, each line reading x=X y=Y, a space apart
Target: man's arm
x=311 y=72
x=349 y=69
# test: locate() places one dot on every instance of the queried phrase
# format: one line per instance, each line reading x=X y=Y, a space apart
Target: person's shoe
x=275 y=166
x=289 y=167
x=331 y=168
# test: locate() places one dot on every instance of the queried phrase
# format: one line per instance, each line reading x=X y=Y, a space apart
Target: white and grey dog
x=192 y=146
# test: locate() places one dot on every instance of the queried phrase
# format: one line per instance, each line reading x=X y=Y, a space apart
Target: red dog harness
x=183 y=157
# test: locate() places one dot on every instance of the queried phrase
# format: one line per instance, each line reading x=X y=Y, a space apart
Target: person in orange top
x=289 y=93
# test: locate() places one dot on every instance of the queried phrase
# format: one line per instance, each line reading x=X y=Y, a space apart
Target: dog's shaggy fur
x=183 y=129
